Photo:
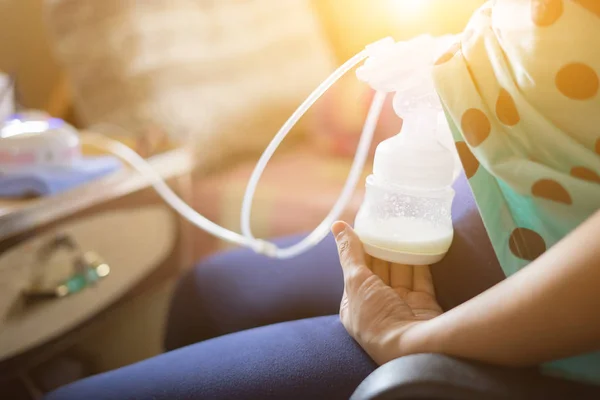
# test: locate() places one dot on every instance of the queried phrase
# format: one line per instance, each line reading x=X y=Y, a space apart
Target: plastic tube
x=322 y=229
x=283 y=132
x=247 y=239
x=141 y=165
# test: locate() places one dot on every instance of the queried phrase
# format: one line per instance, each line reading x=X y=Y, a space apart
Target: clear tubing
x=362 y=154
x=283 y=132
x=246 y=239
x=141 y=165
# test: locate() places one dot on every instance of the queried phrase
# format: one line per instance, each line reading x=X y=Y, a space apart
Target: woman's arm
x=548 y=310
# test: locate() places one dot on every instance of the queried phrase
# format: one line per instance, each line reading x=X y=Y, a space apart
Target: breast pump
x=405 y=216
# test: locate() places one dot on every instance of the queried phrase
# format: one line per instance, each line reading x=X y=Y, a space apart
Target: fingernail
x=337 y=228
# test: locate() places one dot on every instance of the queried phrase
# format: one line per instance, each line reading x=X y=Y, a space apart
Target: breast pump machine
x=405 y=216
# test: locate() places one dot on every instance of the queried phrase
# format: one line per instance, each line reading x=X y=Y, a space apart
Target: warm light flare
x=409 y=6
x=353 y=24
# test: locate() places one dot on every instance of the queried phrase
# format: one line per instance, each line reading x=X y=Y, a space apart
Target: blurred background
x=25 y=48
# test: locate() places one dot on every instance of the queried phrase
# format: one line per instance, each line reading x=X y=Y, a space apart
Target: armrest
x=433 y=376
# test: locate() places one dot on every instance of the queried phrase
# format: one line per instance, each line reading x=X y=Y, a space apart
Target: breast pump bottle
x=406 y=213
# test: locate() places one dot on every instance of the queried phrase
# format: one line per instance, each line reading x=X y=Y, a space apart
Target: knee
x=190 y=318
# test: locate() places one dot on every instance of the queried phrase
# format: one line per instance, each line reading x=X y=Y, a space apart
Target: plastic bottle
x=406 y=214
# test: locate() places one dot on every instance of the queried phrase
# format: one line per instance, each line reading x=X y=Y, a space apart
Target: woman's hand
x=383 y=303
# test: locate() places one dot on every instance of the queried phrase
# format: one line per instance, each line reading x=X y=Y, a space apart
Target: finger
x=423 y=280
x=349 y=246
x=401 y=276
x=352 y=256
x=382 y=270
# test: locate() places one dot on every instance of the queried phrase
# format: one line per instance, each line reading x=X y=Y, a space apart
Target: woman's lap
x=306 y=359
x=239 y=290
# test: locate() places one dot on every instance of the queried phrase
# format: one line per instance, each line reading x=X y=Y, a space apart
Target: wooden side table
x=122 y=219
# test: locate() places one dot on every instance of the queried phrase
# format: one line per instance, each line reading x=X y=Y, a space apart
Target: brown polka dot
x=475 y=126
x=577 y=81
x=590 y=5
x=551 y=190
x=586 y=174
x=546 y=12
x=526 y=244
x=449 y=54
x=468 y=160
x=506 y=109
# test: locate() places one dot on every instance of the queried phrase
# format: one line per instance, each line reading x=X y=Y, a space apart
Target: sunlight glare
x=408 y=6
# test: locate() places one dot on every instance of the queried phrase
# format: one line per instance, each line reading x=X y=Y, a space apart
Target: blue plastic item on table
x=47 y=181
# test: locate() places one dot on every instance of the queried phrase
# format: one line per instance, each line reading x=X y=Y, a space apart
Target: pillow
x=223 y=74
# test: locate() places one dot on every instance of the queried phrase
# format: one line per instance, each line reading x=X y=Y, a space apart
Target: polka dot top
x=521 y=90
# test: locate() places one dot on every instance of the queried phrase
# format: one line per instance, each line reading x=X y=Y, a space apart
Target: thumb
x=349 y=246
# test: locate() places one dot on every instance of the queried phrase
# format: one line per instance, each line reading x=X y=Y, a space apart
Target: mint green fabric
x=521 y=91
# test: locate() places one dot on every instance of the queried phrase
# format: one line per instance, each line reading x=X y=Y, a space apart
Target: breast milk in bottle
x=406 y=213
